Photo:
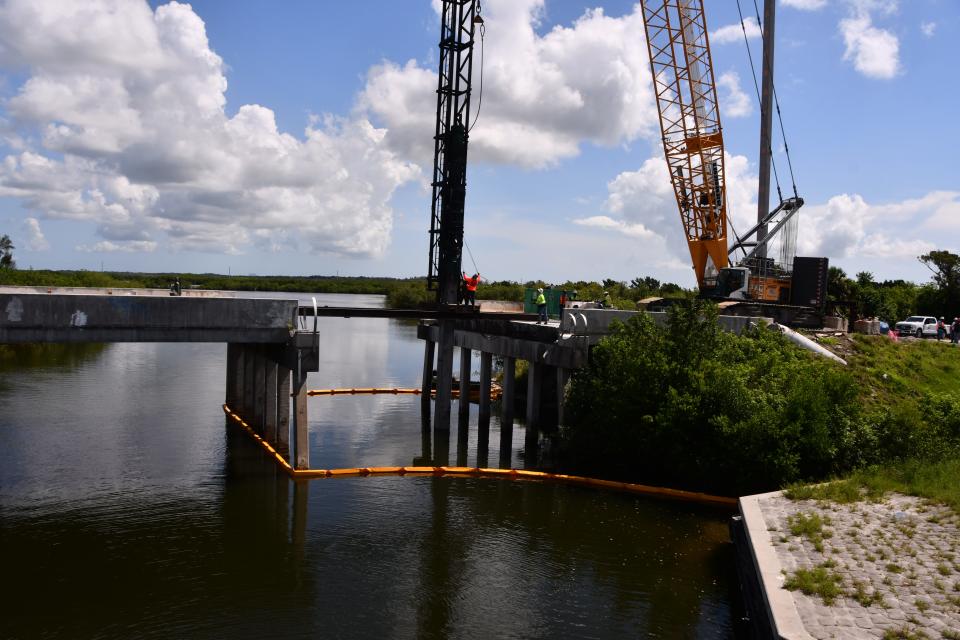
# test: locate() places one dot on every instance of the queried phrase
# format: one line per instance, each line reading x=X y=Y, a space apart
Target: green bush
x=691 y=405
x=410 y=295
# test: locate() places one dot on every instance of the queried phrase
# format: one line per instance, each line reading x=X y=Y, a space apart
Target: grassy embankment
x=693 y=407
x=904 y=378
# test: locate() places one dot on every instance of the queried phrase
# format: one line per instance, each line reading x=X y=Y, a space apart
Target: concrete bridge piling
x=550 y=358
x=264 y=348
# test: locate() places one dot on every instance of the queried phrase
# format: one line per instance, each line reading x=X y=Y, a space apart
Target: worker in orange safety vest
x=471 y=283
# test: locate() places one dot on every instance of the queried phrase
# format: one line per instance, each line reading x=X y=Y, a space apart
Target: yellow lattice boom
x=690 y=122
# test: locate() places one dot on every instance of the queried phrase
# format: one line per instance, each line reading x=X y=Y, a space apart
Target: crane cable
x=473 y=121
x=776 y=98
x=756 y=86
x=483 y=32
x=476 y=269
x=776 y=101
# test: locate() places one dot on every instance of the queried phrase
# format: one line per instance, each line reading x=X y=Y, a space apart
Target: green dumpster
x=553 y=301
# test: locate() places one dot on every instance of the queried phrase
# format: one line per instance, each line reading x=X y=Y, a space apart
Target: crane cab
x=728 y=283
x=740 y=283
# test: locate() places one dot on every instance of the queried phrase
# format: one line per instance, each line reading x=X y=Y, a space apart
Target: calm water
x=130 y=509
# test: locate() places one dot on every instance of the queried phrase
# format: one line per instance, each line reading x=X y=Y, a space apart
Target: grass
x=904 y=633
x=811 y=527
x=819 y=581
x=937 y=481
x=866 y=599
x=911 y=368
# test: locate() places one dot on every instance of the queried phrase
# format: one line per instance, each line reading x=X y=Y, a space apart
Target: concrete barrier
x=86 y=318
x=500 y=306
x=597 y=323
x=116 y=291
x=869 y=327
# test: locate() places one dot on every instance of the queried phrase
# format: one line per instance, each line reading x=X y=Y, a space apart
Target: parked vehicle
x=918 y=326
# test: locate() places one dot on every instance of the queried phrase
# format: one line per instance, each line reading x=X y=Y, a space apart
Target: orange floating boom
x=479 y=472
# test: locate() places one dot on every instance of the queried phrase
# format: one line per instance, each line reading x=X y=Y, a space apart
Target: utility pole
x=766 y=121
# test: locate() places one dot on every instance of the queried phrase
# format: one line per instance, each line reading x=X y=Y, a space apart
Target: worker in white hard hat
x=541 y=306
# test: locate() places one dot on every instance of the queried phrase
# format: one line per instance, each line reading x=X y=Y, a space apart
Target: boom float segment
x=479 y=472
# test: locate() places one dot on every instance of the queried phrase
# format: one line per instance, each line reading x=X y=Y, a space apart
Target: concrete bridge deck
x=104 y=318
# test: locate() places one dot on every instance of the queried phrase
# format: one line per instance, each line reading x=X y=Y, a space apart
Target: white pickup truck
x=920 y=327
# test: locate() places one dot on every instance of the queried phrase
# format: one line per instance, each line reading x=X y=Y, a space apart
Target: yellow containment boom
x=686 y=97
x=495 y=392
x=476 y=472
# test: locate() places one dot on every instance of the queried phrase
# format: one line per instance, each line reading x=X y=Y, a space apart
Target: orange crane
x=686 y=97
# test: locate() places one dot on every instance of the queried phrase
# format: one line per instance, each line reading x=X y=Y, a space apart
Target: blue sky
x=294 y=137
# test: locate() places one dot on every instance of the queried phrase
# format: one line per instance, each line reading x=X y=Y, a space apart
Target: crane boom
x=686 y=97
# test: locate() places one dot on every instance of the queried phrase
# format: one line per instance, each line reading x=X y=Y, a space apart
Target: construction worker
x=541 y=306
x=471 y=283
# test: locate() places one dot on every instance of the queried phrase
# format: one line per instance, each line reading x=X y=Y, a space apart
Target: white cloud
x=874 y=52
x=928 y=29
x=846 y=226
x=849 y=227
x=644 y=200
x=123 y=111
x=805 y=5
x=734 y=32
x=105 y=246
x=35 y=239
x=606 y=222
x=543 y=95
x=736 y=103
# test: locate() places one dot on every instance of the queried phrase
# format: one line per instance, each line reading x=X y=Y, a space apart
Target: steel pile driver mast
x=459 y=20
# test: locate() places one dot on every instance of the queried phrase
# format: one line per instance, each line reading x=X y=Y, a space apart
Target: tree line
x=892 y=300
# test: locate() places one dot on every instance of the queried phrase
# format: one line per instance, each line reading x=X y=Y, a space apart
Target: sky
x=295 y=137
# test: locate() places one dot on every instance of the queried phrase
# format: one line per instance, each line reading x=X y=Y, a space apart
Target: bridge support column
x=249 y=373
x=234 y=373
x=483 y=420
x=427 y=383
x=534 y=411
x=270 y=400
x=283 y=410
x=506 y=416
x=563 y=377
x=301 y=441
x=259 y=389
x=463 y=421
x=441 y=407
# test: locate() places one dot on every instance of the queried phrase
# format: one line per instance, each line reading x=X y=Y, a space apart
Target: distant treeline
x=402 y=293
x=209 y=281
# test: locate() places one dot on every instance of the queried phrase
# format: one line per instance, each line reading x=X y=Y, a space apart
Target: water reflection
x=498 y=558
x=16 y=357
x=130 y=508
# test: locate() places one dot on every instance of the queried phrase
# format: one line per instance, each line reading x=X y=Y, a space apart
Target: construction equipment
x=459 y=20
x=795 y=289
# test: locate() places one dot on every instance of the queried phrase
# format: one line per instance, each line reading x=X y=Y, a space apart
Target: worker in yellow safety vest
x=541 y=306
